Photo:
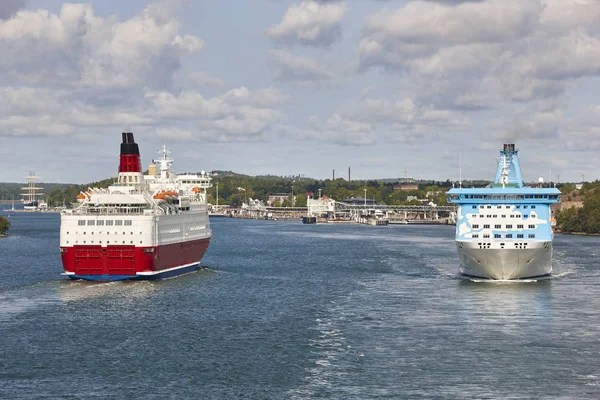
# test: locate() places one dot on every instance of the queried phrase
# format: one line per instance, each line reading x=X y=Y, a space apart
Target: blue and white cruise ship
x=504 y=231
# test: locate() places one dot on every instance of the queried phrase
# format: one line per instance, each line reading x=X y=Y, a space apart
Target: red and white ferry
x=142 y=227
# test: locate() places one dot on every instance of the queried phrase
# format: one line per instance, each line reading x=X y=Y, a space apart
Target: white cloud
x=474 y=55
x=291 y=68
x=74 y=72
x=310 y=23
x=75 y=47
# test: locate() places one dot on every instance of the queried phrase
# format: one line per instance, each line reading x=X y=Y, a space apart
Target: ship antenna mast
x=165 y=162
x=460 y=171
x=504 y=178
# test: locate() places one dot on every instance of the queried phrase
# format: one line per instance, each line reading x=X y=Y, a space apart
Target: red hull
x=130 y=260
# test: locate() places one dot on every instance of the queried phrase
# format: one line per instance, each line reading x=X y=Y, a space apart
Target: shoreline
x=578 y=233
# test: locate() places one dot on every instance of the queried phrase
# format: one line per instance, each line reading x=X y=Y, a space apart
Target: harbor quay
x=330 y=211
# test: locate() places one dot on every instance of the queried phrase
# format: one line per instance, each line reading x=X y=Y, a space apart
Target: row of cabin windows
x=525 y=216
x=498 y=226
x=129 y=179
x=102 y=222
x=504 y=197
x=107 y=242
x=507 y=207
x=507 y=236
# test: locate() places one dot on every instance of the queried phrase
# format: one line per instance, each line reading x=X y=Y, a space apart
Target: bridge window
x=118 y=222
x=518 y=206
x=497 y=236
x=519 y=236
x=531 y=235
x=494 y=216
x=81 y=222
x=475 y=236
x=481 y=206
x=486 y=236
x=476 y=226
x=474 y=206
x=519 y=226
x=509 y=235
x=509 y=226
x=498 y=206
x=525 y=216
x=504 y=216
x=532 y=206
x=91 y=222
x=531 y=226
x=489 y=206
x=486 y=226
x=100 y=222
x=497 y=226
x=128 y=222
x=525 y=206
x=109 y=222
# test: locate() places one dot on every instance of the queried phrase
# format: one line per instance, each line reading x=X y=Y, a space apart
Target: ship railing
x=110 y=211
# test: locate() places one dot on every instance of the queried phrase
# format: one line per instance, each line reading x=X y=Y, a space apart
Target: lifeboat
x=80 y=197
x=196 y=189
x=160 y=196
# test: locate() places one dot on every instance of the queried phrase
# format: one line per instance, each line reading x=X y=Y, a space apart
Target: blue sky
x=301 y=87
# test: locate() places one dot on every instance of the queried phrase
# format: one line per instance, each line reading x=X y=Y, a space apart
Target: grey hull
x=509 y=263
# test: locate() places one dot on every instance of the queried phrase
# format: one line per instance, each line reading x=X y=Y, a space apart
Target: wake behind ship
x=142 y=227
x=504 y=231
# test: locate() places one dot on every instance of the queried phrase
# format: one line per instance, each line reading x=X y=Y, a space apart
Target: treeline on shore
x=235 y=189
x=584 y=219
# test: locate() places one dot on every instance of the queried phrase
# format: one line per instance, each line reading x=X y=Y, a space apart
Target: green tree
x=300 y=200
x=4 y=225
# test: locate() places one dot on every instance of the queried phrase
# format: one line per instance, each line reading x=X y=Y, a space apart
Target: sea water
x=283 y=310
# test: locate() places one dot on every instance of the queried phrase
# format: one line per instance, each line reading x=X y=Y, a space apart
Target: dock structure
x=332 y=209
x=329 y=210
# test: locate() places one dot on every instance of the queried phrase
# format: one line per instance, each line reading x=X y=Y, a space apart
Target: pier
x=329 y=210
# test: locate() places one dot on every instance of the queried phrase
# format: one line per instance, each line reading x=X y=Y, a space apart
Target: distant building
x=360 y=201
x=406 y=184
x=278 y=197
x=436 y=193
x=579 y=185
x=322 y=207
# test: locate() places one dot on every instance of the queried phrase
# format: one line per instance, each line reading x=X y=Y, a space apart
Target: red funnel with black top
x=130 y=154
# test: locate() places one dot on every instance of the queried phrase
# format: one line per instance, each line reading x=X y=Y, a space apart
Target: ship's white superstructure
x=504 y=231
x=140 y=227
